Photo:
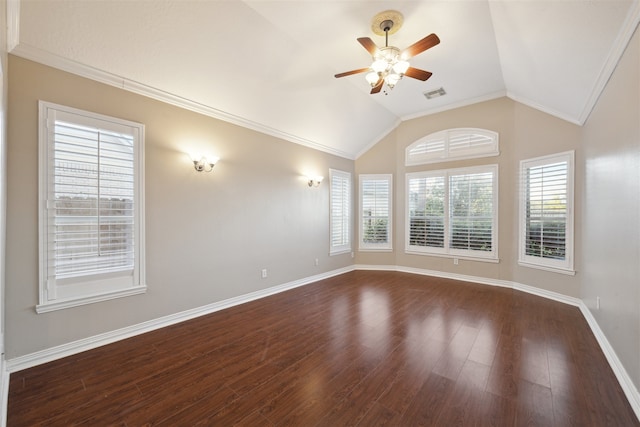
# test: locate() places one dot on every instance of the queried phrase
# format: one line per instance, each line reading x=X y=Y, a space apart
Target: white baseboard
x=476 y=279
x=74 y=347
x=630 y=390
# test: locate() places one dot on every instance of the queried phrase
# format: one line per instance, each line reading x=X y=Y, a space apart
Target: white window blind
x=453 y=212
x=340 y=221
x=375 y=212
x=546 y=218
x=471 y=211
x=452 y=144
x=91 y=203
x=426 y=200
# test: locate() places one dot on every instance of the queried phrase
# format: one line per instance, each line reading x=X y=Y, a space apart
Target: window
x=452 y=144
x=546 y=213
x=340 y=222
x=375 y=212
x=91 y=207
x=453 y=213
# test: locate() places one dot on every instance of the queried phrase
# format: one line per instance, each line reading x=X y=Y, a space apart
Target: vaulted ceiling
x=269 y=65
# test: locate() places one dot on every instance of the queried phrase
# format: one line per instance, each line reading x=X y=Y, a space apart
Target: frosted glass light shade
x=372 y=78
x=379 y=65
x=401 y=67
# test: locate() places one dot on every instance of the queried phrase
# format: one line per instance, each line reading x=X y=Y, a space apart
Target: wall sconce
x=315 y=182
x=204 y=165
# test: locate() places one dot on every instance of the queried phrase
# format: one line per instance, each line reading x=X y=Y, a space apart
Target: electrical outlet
x=316 y=262
x=264 y=273
x=353 y=254
x=455 y=261
x=597 y=303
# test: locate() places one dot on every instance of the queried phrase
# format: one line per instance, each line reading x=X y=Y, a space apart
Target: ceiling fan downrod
x=386 y=26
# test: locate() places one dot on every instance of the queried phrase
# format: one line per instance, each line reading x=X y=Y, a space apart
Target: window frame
x=85 y=288
x=375 y=247
x=345 y=246
x=446 y=250
x=565 y=266
x=447 y=154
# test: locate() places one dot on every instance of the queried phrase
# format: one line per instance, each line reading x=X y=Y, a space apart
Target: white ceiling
x=269 y=65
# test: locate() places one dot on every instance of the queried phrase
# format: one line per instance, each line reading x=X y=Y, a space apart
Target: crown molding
x=46 y=58
x=546 y=110
x=13 y=24
x=452 y=106
x=615 y=54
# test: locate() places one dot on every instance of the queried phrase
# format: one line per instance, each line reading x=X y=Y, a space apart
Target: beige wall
x=3 y=162
x=537 y=134
x=207 y=235
x=611 y=210
x=524 y=133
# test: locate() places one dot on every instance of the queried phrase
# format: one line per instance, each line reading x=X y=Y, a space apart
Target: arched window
x=452 y=144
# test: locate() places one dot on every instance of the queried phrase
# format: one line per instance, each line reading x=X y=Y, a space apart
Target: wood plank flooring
x=360 y=349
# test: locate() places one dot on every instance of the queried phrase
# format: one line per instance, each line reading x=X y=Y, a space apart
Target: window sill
x=567 y=271
x=69 y=303
x=340 y=252
x=464 y=257
x=375 y=249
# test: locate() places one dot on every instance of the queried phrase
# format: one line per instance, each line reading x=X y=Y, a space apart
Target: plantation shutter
x=375 y=212
x=453 y=212
x=465 y=143
x=427 y=211
x=471 y=211
x=468 y=143
x=340 y=195
x=546 y=211
x=427 y=150
x=90 y=201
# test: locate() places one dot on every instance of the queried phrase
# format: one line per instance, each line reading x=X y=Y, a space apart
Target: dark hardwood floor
x=363 y=348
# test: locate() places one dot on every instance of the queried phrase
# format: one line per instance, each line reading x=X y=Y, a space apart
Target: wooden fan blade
x=377 y=87
x=348 y=73
x=420 y=46
x=368 y=44
x=417 y=73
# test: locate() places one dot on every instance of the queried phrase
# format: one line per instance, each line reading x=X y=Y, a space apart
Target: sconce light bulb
x=315 y=182
x=205 y=165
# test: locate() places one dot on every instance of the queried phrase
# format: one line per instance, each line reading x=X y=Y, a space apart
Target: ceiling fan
x=390 y=64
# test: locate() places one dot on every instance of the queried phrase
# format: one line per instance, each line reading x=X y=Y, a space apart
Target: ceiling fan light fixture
x=380 y=65
x=401 y=66
x=392 y=79
x=390 y=64
x=372 y=77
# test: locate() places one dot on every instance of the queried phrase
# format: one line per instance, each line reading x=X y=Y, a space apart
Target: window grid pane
x=340 y=210
x=546 y=211
x=375 y=211
x=93 y=201
x=426 y=211
x=471 y=211
x=453 y=212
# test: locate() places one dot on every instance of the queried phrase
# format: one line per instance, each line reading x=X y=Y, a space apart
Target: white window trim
x=346 y=248
x=556 y=266
x=446 y=252
x=491 y=151
x=88 y=291
x=375 y=247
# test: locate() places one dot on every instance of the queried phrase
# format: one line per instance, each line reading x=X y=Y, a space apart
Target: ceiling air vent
x=435 y=93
